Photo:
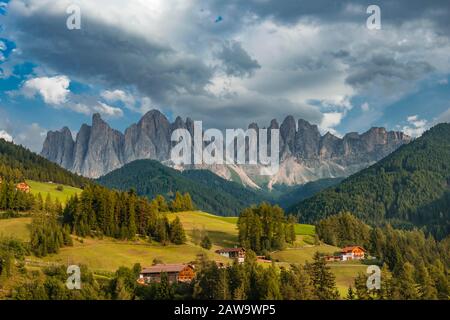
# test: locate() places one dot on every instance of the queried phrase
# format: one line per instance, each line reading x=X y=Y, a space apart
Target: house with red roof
x=175 y=273
x=348 y=253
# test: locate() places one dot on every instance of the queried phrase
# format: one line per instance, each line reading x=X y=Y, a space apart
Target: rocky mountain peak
x=305 y=154
x=274 y=124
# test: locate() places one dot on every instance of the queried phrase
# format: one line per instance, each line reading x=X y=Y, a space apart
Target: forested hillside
x=292 y=195
x=409 y=187
x=415 y=265
x=209 y=192
x=18 y=163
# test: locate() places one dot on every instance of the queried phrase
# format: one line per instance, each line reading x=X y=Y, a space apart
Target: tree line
x=98 y=211
x=18 y=163
x=265 y=228
x=13 y=199
x=235 y=282
x=409 y=188
x=415 y=265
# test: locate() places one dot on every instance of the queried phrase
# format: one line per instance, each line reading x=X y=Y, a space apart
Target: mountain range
x=305 y=154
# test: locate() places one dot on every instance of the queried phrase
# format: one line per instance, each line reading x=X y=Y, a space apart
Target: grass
x=16 y=227
x=109 y=254
x=45 y=188
x=346 y=274
x=221 y=230
x=305 y=229
x=106 y=255
x=303 y=254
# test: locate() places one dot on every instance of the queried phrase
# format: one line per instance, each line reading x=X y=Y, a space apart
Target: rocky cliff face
x=305 y=154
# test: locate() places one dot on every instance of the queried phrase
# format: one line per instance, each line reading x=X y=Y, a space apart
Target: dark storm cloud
x=379 y=66
x=236 y=61
x=290 y=11
x=329 y=56
x=240 y=111
x=105 y=53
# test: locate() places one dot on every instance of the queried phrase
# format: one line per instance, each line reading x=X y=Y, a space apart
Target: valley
x=104 y=256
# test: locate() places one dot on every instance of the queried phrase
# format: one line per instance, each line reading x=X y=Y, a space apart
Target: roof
x=159 y=268
x=226 y=250
x=351 y=248
x=23 y=184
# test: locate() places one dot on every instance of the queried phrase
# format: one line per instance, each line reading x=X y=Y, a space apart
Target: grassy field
x=45 y=188
x=345 y=272
x=303 y=254
x=345 y=275
x=17 y=228
x=305 y=229
x=221 y=230
x=109 y=254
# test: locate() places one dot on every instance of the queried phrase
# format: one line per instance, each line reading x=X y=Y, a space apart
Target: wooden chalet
x=233 y=253
x=23 y=187
x=348 y=253
x=175 y=273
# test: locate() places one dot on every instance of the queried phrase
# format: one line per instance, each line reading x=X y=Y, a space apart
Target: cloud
x=119 y=95
x=107 y=110
x=416 y=126
x=32 y=136
x=5 y=135
x=236 y=61
x=331 y=120
x=265 y=59
x=382 y=68
x=124 y=54
x=134 y=102
x=443 y=117
x=365 y=107
x=53 y=90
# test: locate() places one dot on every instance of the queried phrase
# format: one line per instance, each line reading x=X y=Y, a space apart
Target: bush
x=206 y=243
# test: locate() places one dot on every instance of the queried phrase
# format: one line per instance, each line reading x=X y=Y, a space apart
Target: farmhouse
x=23 y=186
x=233 y=253
x=348 y=253
x=175 y=273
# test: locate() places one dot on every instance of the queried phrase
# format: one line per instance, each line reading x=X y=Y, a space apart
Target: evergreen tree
x=188 y=204
x=177 y=234
x=427 y=289
x=206 y=243
x=350 y=294
x=406 y=287
x=322 y=279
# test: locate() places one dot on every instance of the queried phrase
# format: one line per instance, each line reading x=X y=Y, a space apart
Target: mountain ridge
x=410 y=187
x=208 y=191
x=305 y=154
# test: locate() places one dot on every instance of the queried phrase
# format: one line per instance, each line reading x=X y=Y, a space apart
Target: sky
x=228 y=63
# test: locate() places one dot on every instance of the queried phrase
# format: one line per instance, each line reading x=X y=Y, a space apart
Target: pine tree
x=350 y=294
x=188 y=204
x=427 y=290
x=165 y=289
x=177 y=234
x=206 y=243
x=361 y=291
x=271 y=284
x=405 y=283
x=177 y=204
x=161 y=204
x=132 y=230
x=323 y=279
